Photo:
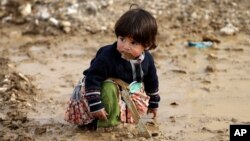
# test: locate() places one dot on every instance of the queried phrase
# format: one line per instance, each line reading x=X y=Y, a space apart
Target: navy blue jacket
x=108 y=63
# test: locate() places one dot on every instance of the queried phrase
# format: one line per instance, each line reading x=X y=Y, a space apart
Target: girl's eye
x=122 y=39
x=134 y=43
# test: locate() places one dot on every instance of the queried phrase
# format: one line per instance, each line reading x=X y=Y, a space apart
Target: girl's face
x=129 y=48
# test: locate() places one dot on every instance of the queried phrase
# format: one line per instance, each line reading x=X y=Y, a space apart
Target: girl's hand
x=102 y=114
x=153 y=111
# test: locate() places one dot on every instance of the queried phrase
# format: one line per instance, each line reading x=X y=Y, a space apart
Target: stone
x=229 y=29
x=25 y=9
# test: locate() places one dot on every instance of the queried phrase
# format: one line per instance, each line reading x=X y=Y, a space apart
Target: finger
x=97 y=115
x=105 y=117
x=154 y=115
x=106 y=113
x=102 y=115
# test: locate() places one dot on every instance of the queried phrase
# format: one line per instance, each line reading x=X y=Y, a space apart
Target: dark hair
x=139 y=25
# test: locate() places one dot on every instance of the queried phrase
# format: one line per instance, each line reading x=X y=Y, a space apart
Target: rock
x=130 y=135
x=40 y=130
x=28 y=104
x=73 y=9
x=104 y=4
x=113 y=137
x=13 y=97
x=92 y=8
x=25 y=9
x=142 y=139
x=172 y=118
x=179 y=71
x=110 y=2
x=174 y=104
x=206 y=89
x=9 y=137
x=210 y=69
x=211 y=38
x=2 y=117
x=65 y=23
x=37 y=22
x=234 y=120
x=150 y=123
x=66 y=26
x=211 y=56
x=206 y=129
x=43 y=13
x=4 y=2
x=194 y=15
x=155 y=134
x=54 y=21
x=2 y=13
x=25 y=137
x=3 y=89
x=229 y=29
x=67 y=29
x=15 y=34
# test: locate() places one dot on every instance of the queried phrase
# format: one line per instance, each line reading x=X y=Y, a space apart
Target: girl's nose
x=126 y=46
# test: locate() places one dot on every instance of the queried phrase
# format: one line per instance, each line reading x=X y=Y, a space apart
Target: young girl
x=127 y=59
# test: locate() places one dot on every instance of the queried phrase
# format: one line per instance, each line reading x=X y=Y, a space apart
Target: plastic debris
x=204 y=44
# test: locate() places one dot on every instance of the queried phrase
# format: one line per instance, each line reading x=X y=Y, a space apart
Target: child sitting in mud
x=129 y=60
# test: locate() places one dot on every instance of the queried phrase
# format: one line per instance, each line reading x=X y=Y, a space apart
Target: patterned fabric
x=141 y=102
x=78 y=112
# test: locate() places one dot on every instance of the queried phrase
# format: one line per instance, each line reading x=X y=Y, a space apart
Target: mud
x=203 y=90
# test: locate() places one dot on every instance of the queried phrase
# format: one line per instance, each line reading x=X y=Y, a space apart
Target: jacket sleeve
x=96 y=74
x=151 y=84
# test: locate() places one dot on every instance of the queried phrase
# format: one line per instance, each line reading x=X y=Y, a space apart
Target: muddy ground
x=203 y=90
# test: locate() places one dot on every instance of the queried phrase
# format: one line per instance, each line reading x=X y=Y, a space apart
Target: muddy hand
x=153 y=111
x=102 y=114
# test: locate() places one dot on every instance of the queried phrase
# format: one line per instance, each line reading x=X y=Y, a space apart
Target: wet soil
x=203 y=91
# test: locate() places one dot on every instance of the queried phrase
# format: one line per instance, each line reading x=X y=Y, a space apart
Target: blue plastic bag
x=204 y=44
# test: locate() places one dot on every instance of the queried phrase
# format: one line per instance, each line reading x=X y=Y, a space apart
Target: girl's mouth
x=127 y=56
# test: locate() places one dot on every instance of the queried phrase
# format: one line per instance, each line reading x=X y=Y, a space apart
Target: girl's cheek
x=119 y=48
x=136 y=53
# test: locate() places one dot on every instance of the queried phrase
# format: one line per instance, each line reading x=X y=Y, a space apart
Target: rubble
x=202 y=16
x=16 y=90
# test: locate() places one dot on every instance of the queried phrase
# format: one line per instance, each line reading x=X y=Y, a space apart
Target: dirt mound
x=16 y=96
x=17 y=99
